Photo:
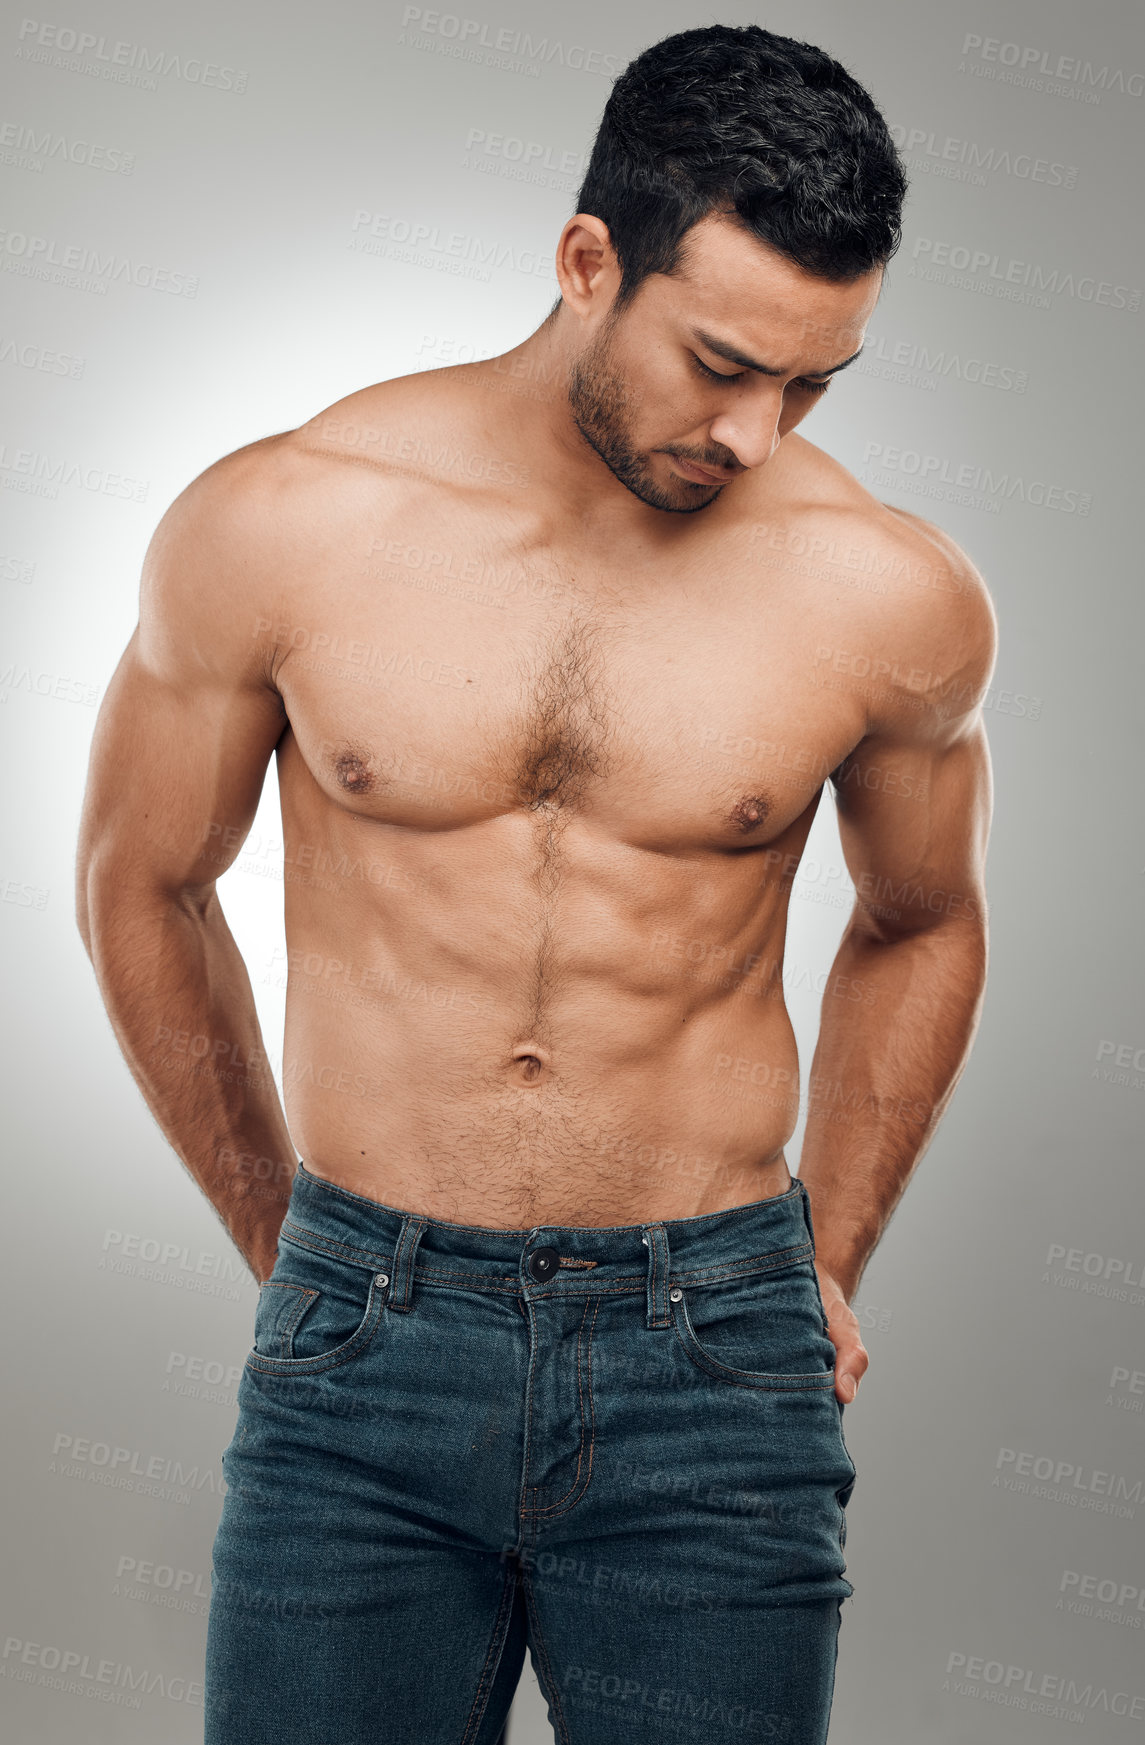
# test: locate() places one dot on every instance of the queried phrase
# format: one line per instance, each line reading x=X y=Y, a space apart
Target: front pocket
x=762 y=1331
x=305 y=1326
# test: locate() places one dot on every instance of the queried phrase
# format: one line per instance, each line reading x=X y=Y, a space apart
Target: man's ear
x=586 y=263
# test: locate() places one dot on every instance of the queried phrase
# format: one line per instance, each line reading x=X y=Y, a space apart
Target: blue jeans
x=619 y=1447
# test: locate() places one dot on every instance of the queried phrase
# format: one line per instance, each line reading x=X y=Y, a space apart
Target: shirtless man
x=557 y=653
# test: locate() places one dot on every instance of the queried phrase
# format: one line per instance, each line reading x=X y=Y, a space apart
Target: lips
x=706 y=475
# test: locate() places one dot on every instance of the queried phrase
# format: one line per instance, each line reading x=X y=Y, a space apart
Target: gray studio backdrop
x=216 y=221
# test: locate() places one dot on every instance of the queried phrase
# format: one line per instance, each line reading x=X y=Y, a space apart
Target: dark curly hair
x=734 y=118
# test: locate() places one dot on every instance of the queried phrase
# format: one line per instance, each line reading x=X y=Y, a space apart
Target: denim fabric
x=619 y=1447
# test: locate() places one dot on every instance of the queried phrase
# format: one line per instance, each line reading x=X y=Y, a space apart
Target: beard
x=601 y=401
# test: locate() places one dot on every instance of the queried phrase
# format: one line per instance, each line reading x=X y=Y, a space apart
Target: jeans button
x=543 y=1262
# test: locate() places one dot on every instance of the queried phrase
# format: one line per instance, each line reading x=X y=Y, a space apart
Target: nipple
x=353 y=773
x=749 y=812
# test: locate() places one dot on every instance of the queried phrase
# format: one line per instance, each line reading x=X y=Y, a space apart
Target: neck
x=536 y=374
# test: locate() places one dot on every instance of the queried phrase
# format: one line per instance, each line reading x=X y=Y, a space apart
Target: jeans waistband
x=417 y=1250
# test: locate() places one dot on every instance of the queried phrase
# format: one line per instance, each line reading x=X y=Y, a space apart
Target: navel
x=530 y=1063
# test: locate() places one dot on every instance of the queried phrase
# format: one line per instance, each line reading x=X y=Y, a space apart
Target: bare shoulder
x=294 y=486
x=252 y=541
x=225 y=560
x=250 y=500
x=434 y=428
x=198 y=558
x=243 y=541
x=898 y=589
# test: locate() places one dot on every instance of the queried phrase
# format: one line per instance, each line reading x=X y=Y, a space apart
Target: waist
x=358 y=1231
x=520 y=1126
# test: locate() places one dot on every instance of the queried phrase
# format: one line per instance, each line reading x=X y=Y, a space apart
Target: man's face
x=655 y=391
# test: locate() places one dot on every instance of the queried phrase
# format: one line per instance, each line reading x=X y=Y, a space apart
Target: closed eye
x=804 y=385
x=716 y=375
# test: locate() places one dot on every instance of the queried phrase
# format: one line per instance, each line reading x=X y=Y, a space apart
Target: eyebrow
x=722 y=349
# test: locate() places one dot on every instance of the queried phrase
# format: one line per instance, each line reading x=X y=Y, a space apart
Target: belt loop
x=805 y=1197
x=401 y=1284
x=656 y=1241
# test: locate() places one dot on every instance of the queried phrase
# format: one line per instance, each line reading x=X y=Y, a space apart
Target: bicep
x=914 y=816
x=915 y=795
x=175 y=776
x=190 y=718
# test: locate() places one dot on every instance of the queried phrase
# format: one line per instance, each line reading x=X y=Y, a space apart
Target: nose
x=752 y=437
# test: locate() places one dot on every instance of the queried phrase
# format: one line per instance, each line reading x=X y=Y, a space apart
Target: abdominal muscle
x=462 y=1045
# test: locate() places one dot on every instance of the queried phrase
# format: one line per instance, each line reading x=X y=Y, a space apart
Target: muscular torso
x=542 y=795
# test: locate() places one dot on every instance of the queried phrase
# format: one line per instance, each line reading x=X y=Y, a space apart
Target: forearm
x=180 y=1001
x=882 y=1075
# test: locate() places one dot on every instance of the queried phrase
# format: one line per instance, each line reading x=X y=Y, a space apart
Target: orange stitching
x=551 y=1507
x=776 y=1384
x=569 y=1500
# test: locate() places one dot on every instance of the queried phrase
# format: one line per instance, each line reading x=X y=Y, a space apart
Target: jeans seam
x=357 y=1342
x=627 y=1284
x=756 y=1262
x=572 y=1496
x=779 y=1384
x=546 y=1665
x=630 y=1283
x=527 y=1490
x=508 y=1284
x=303 y=1238
x=492 y=1658
x=427 y=1278
x=306 y=1295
